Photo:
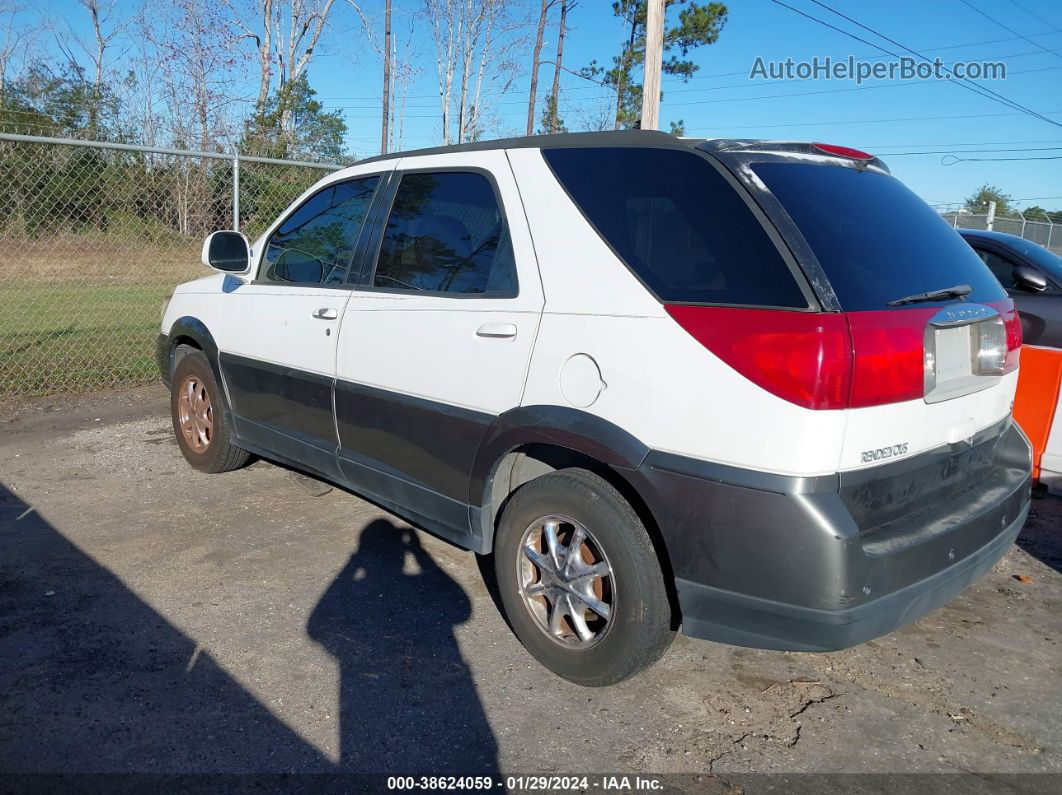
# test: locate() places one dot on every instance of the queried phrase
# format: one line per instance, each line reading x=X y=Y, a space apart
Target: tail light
x=888 y=362
x=1012 y=325
x=824 y=361
x=803 y=357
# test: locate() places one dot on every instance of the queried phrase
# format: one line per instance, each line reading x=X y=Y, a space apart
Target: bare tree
x=553 y=123
x=98 y=55
x=473 y=35
x=141 y=108
x=444 y=16
x=595 y=115
x=286 y=32
x=263 y=43
x=536 y=54
x=16 y=36
x=200 y=71
x=306 y=22
x=95 y=51
x=403 y=73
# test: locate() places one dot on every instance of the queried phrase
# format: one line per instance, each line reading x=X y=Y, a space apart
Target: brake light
x=803 y=357
x=888 y=364
x=843 y=151
x=818 y=360
x=1012 y=324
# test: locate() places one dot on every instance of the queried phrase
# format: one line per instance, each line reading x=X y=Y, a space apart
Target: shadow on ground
x=94 y=680
x=1042 y=535
x=407 y=699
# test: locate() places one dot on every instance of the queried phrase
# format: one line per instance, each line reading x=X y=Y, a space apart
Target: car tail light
x=843 y=151
x=888 y=363
x=1012 y=325
x=988 y=346
x=803 y=357
x=817 y=360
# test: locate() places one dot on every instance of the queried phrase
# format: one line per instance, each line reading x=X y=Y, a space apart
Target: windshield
x=875 y=239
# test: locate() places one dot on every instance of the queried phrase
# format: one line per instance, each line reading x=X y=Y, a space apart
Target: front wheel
x=580 y=580
x=201 y=421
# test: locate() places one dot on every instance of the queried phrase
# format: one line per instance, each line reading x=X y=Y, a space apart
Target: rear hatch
x=931 y=329
x=930 y=445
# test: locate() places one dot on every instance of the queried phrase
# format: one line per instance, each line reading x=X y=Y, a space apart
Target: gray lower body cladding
x=762 y=560
x=162 y=357
x=818 y=564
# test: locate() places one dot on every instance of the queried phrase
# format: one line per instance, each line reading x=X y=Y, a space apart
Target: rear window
x=875 y=239
x=678 y=224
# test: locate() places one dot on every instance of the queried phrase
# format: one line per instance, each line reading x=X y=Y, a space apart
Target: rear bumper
x=713 y=614
x=823 y=563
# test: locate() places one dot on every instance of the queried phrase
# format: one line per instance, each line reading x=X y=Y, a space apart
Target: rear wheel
x=201 y=421
x=580 y=580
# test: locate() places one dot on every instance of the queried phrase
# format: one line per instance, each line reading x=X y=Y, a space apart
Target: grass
x=77 y=337
x=81 y=311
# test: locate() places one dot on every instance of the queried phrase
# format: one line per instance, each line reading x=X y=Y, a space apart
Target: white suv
x=758 y=390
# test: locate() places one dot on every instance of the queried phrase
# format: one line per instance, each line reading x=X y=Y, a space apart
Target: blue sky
x=721 y=100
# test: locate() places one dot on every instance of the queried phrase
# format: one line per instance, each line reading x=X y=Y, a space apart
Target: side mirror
x=1029 y=279
x=227 y=251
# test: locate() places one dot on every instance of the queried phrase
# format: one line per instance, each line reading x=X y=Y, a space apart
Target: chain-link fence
x=1042 y=232
x=93 y=236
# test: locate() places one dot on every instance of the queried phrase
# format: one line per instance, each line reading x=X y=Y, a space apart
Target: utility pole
x=654 y=47
x=990 y=220
x=387 y=78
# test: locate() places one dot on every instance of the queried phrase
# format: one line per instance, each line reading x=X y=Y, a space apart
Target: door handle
x=497 y=330
x=325 y=313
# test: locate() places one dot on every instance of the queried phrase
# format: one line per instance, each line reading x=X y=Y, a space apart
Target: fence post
x=236 y=192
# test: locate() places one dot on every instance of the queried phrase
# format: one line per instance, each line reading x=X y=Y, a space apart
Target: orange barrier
x=1039 y=380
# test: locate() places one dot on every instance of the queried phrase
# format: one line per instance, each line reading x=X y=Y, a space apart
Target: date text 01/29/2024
x=533 y=783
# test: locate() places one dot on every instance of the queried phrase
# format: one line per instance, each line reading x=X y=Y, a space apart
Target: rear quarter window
x=874 y=238
x=678 y=224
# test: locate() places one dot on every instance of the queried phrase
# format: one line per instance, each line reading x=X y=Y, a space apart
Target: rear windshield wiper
x=958 y=291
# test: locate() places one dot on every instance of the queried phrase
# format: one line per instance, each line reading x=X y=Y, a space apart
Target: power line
x=872 y=121
x=1024 y=199
x=961 y=143
x=835 y=90
x=668 y=104
x=876 y=56
x=1034 y=14
x=972 y=7
x=976 y=88
x=955 y=159
x=973 y=151
x=970 y=85
x=851 y=35
x=713 y=75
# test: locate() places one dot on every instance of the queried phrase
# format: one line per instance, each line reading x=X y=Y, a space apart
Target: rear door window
x=447 y=234
x=678 y=224
x=875 y=239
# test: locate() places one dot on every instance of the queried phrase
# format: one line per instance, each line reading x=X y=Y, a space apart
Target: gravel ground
x=156 y=619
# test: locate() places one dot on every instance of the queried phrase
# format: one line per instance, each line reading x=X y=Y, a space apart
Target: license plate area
x=965 y=352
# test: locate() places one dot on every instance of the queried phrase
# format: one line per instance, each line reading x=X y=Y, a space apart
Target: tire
x=637 y=630
x=205 y=444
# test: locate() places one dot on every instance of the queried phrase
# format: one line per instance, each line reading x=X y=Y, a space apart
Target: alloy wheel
x=195 y=414
x=566 y=581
